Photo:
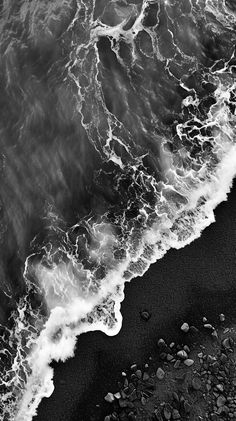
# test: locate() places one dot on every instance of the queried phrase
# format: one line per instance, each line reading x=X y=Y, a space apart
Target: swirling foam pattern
x=124 y=111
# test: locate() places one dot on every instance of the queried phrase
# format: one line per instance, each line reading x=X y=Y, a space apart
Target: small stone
x=160 y=373
x=175 y=414
x=169 y=357
x=161 y=343
x=226 y=343
x=220 y=401
x=146 y=365
x=208 y=387
x=123 y=374
x=123 y=403
x=223 y=358
x=175 y=396
x=187 y=407
x=208 y=326
x=214 y=334
x=185 y=327
x=172 y=345
x=145 y=315
x=177 y=364
x=186 y=349
x=107 y=418
x=193 y=329
x=163 y=355
x=109 y=397
x=204 y=319
x=182 y=354
x=220 y=387
x=133 y=367
x=188 y=362
x=117 y=395
x=222 y=317
x=143 y=400
x=145 y=376
x=167 y=412
x=138 y=374
x=196 y=383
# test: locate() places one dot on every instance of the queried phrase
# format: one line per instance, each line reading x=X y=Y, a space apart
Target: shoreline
x=182 y=286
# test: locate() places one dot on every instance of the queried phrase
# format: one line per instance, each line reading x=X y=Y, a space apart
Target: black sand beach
x=185 y=285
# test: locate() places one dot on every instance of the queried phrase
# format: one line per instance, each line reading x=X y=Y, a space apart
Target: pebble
x=185 y=327
x=134 y=367
x=220 y=387
x=204 y=319
x=196 y=383
x=167 y=412
x=117 y=395
x=175 y=414
x=226 y=343
x=177 y=364
x=160 y=373
x=145 y=376
x=186 y=349
x=123 y=374
x=220 y=401
x=222 y=317
x=161 y=343
x=188 y=362
x=187 y=407
x=169 y=357
x=109 y=397
x=138 y=374
x=145 y=315
x=107 y=418
x=182 y=354
x=208 y=326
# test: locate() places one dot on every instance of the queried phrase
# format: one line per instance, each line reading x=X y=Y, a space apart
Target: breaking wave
x=154 y=97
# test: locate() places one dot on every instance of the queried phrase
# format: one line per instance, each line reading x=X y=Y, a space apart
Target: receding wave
x=152 y=104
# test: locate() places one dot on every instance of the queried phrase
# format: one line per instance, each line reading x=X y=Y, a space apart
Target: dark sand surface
x=185 y=285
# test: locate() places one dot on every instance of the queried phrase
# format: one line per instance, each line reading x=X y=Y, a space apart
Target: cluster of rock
x=189 y=384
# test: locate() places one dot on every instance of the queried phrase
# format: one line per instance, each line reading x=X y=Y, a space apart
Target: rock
x=186 y=349
x=109 y=397
x=175 y=414
x=188 y=362
x=161 y=343
x=107 y=418
x=117 y=395
x=214 y=334
x=145 y=376
x=160 y=373
x=177 y=364
x=220 y=387
x=185 y=327
x=193 y=329
x=187 y=407
x=208 y=326
x=145 y=315
x=169 y=357
x=226 y=343
x=138 y=374
x=163 y=355
x=223 y=358
x=133 y=367
x=133 y=395
x=167 y=411
x=196 y=383
x=172 y=345
x=182 y=354
x=222 y=317
x=220 y=401
x=175 y=396
x=123 y=374
x=123 y=403
x=204 y=319
x=143 y=400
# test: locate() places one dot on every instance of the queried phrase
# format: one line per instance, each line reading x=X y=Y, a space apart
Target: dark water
x=117 y=142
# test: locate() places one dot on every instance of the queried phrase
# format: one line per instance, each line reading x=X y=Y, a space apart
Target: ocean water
x=118 y=141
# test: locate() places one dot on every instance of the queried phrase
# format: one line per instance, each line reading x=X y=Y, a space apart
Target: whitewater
x=155 y=181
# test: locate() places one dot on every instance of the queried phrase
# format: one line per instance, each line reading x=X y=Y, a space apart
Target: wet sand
x=185 y=285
